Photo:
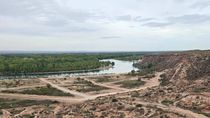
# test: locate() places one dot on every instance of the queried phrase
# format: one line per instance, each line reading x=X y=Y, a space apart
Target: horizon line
x=57 y=51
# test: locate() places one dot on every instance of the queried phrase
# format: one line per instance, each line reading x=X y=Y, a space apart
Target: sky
x=104 y=25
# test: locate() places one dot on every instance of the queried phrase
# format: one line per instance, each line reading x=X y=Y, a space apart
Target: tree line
x=14 y=64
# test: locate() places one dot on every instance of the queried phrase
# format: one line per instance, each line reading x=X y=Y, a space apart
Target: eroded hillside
x=179 y=88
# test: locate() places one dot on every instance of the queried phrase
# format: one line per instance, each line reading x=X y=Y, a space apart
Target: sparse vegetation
x=131 y=83
x=114 y=100
x=171 y=99
x=149 y=76
x=201 y=89
x=167 y=102
x=144 y=69
x=196 y=107
x=139 y=105
x=7 y=103
x=41 y=91
x=87 y=86
x=163 y=81
x=104 y=79
x=8 y=83
x=135 y=94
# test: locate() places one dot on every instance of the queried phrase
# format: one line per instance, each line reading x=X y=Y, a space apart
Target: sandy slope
x=83 y=97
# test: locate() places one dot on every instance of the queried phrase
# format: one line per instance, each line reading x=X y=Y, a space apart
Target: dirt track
x=107 y=86
x=81 y=97
x=173 y=109
x=42 y=97
x=65 y=90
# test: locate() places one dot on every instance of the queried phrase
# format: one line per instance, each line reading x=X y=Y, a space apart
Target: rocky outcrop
x=181 y=66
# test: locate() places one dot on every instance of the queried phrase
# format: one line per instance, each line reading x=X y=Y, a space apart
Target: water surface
x=119 y=68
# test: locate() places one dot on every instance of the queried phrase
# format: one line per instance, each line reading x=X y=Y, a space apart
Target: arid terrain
x=174 y=85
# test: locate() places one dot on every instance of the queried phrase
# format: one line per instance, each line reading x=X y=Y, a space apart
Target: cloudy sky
x=104 y=25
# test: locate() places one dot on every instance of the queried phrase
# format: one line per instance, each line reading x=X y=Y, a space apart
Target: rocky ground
x=178 y=89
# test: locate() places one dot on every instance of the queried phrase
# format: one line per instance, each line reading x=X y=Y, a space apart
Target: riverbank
x=119 y=67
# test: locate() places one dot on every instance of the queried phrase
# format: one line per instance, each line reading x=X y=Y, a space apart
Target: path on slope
x=106 y=86
x=173 y=109
x=72 y=100
x=150 y=83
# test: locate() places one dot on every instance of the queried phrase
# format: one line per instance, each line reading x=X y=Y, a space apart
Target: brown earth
x=180 y=89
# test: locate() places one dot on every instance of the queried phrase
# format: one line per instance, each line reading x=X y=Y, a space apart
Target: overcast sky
x=104 y=25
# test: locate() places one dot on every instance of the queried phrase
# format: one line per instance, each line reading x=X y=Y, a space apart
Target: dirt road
x=21 y=87
x=79 y=97
x=65 y=90
x=83 y=97
x=149 y=83
x=70 y=100
x=107 y=86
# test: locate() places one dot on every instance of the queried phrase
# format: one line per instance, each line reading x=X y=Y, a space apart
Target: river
x=118 y=68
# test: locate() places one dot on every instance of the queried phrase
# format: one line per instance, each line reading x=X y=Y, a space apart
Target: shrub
x=167 y=102
x=114 y=100
x=164 y=80
x=139 y=105
x=131 y=83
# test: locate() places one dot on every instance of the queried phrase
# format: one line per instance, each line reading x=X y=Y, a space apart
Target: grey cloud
x=185 y=19
x=201 y=4
x=137 y=18
x=189 y=19
x=63 y=19
x=44 y=17
x=46 y=31
x=156 y=24
x=124 y=18
x=24 y=8
x=24 y=31
x=179 y=1
x=79 y=16
x=110 y=37
x=141 y=19
x=42 y=8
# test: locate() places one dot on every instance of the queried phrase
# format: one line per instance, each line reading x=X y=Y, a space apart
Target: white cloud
x=103 y=25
